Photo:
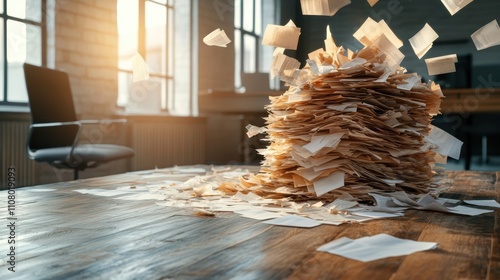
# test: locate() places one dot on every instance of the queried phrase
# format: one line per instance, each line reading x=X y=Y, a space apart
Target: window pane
x=250 y=54
x=237 y=13
x=164 y=2
x=258 y=16
x=124 y=81
x=156 y=37
x=237 y=60
x=25 y=9
x=170 y=49
x=127 y=20
x=248 y=15
x=24 y=43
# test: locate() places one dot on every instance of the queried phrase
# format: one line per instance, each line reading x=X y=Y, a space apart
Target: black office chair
x=54 y=132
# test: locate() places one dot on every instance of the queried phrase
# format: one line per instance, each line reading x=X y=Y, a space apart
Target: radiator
x=13 y=136
x=160 y=144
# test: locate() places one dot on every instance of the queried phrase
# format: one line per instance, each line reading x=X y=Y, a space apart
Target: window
x=145 y=27
x=251 y=58
x=22 y=39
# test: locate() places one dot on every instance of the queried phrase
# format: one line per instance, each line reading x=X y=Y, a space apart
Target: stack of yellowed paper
x=351 y=123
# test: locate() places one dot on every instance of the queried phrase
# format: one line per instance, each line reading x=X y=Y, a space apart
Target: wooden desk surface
x=63 y=234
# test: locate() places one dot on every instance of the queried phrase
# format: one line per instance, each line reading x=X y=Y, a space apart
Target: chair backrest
x=49 y=94
x=50 y=100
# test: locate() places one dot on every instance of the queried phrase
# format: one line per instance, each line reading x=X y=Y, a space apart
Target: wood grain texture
x=63 y=234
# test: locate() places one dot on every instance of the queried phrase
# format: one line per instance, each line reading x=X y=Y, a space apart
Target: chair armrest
x=54 y=124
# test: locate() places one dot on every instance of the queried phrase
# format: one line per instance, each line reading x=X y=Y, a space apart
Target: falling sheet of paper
x=446 y=143
x=487 y=36
x=375 y=247
x=140 y=70
x=293 y=221
x=372 y=2
x=441 y=64
x=282 y=65
x=453 y=6
x=422 y=41
x=322 y=7
x=371 y=30
x=217 y=38
x=286 y=37
x=484 y=202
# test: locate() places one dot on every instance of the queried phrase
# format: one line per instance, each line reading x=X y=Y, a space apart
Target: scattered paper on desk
x=258 y=214
x=441 y=64
x=375 y=247
x=468 y=211
x=484 y=202
x=322 y=7
x=286 y=37
x=140 y=70
x=217 y=38
x=372 y=2
x=422 y=41
x=293 y=221
x=487 y=36
x=453 y=6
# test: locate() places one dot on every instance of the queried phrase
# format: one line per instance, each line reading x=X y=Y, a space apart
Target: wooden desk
x=471 y=100
x=63 y=234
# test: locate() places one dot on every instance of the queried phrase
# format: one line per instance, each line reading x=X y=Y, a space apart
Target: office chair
x=54 y=132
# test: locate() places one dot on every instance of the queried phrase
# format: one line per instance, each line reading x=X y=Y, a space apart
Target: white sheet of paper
x=322 y=141
x=322 y=7
x=468 y=211
x=293 y=221
x=140 y=70
x=453 y=6
x=286 y=37
x=484 y=202
x=258 y=214
x=329 y=183
x=422 y=41
x=217 y=38
x=446 y=144
x=487 y=36
x=371 y=30
x=441 y=64
x=410 y=82
x=375 y=247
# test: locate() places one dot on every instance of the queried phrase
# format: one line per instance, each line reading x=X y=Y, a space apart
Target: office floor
x=492 y=163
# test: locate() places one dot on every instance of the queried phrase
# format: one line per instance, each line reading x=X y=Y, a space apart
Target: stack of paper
x=358 y=125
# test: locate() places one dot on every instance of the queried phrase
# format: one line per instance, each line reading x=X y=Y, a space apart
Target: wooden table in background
x=63 y=234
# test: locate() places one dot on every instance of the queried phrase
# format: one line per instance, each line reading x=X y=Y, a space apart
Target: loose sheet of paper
x=453 y=6
x=372 y=2
x=322 y=7
x=286 y=37
x=375 y=247
x=422 y=41
x=140 y=70
x=487 y=36
x=483 y=202
x=441 y=64
x=217 y=38
x=293 y=221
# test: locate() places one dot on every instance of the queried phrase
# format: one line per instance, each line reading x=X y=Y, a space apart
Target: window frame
x=258 y=39
x=168 y=77
x=4 y=17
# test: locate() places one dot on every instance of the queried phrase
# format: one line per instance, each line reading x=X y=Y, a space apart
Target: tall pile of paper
x=353 y=123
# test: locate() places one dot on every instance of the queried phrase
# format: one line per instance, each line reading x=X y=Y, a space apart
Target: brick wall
x=86 y=46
